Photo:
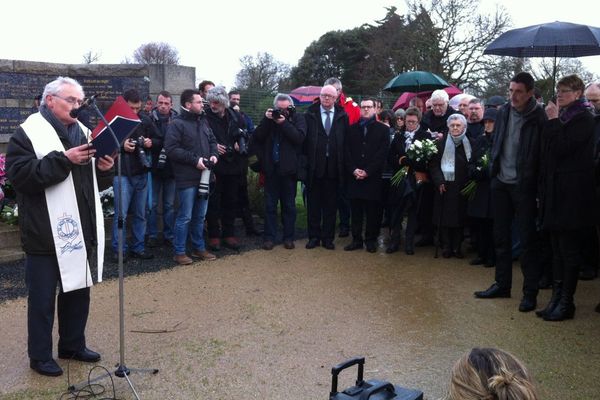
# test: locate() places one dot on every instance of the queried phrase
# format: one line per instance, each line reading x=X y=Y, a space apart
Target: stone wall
x=21 y=81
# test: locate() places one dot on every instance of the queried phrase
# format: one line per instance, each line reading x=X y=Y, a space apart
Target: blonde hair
x=490 y=374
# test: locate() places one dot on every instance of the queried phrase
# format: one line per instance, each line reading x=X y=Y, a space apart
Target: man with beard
x=225 y=124
x=243 y=200
x=192 y=148
x=475 y=119
x=326 y=127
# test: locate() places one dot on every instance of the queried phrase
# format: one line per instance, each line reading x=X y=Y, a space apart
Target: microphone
x=86 y=103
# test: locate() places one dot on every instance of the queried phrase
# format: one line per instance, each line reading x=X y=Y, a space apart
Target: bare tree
x=91 y=57
x=261 y=72
x=156 y=53
x=463 y=35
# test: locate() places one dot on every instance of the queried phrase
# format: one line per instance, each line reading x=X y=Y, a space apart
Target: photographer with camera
x=243 y=199
x=192 y=149
x=280 y=135
x=163 y=182
x=228 y=127
x=134 y=181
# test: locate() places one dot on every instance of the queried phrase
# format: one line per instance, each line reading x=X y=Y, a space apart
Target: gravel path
x=269 y=325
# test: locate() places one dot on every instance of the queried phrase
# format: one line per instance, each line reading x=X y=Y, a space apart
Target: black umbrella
x=415 y=81
x=554 y=39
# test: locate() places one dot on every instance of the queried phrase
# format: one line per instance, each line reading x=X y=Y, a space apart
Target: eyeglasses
x=327 y=96
x=438 y=105
x=71 y=100
x=409 y=122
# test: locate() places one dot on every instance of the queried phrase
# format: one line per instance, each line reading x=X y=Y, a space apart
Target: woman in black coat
x=449 y=171
x=408 y=193
x=566 y=190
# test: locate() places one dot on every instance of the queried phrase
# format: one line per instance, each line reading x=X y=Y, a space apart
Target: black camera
x=162 y=159
x=139 y=149
x=241 y=138
x=288 y=112
x=204 y=185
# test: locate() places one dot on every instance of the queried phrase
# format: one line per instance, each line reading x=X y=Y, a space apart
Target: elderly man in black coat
x=366 y=153
x=326 y=129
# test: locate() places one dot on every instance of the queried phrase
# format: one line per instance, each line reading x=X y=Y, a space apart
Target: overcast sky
x=212 y=35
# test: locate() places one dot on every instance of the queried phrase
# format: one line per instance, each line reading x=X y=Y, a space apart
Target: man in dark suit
x=326 y=127
x=366 y=152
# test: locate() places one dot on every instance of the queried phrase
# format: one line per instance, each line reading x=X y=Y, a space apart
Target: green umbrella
x=415 y=81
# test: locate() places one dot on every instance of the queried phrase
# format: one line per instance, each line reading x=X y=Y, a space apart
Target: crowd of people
x=519 y=177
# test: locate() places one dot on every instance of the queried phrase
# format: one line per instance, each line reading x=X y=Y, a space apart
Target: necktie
x=327 y=122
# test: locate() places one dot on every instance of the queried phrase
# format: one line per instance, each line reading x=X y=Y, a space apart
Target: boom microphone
x=86 y=103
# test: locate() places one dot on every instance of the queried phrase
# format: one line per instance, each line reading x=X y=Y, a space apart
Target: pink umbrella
x=305 y=94
x=405 y=98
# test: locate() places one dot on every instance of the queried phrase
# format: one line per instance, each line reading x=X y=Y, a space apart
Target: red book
x=122 y=120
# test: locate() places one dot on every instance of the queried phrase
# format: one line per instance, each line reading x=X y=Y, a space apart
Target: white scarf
x=449 y=156
x=61 y=201
x=408 y=138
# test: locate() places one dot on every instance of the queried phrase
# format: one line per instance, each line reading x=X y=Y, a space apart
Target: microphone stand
x=122 y=371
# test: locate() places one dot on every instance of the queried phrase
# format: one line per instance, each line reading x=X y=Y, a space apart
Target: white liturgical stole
x=63 y=211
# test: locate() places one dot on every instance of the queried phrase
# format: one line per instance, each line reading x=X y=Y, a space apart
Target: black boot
x=565 y=309
x=556 y=294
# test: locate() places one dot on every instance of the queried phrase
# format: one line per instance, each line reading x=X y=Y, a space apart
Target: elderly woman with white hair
x=449 y=172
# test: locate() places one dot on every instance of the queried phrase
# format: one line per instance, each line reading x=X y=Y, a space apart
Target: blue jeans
x=168 y=207
x=192 y=210
x=134 y=192
x=280 y=189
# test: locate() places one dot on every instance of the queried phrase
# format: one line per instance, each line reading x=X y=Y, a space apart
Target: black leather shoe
x=458 y=254
x=446 y=253
x=371 y=247
x=409 y=252
x=288 y=244
x=141 y=255
x=477 y=261
x=344 y=232
x=85 y=355
x=493 y=292
x=354 y=246
x=597 y=309
x=392 y=248
x=329 y=245
x=48 y=368
x=528 y=303
x=312 y=243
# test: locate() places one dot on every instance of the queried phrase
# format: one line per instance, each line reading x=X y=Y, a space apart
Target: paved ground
x=269 y=325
